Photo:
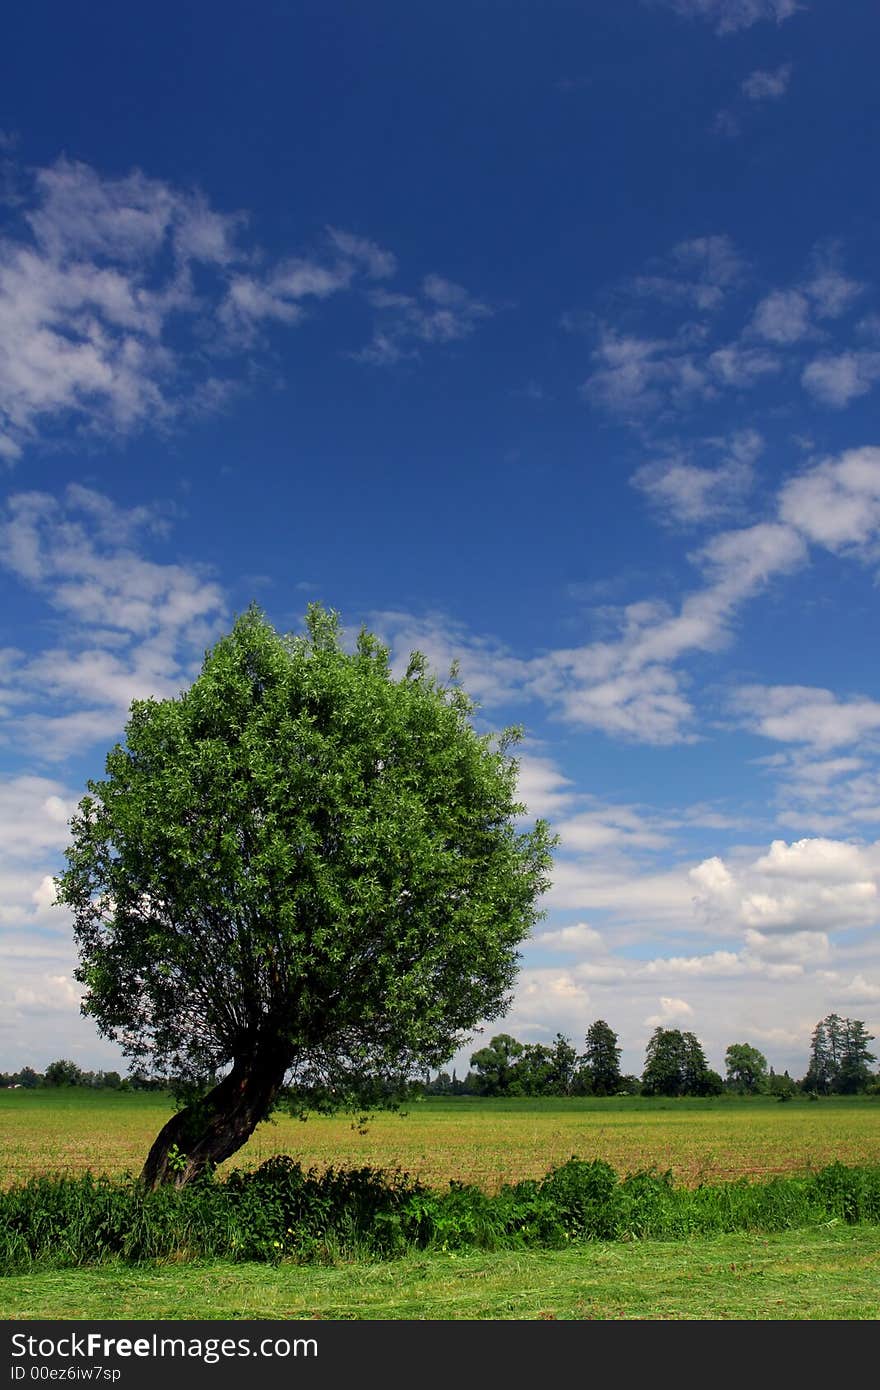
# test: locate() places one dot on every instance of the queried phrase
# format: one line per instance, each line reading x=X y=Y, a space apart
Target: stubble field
x=487 y=1142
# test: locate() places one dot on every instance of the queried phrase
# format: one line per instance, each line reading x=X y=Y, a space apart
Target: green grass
x=832 y=1273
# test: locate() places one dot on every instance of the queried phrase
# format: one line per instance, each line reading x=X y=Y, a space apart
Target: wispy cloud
x=639 y=373
x=443 y=312
x=807 y=714
x=133 y=627
x=129 y=303
x=698 y=272
x=767 y=85
x=687 y=493
x=730 y=16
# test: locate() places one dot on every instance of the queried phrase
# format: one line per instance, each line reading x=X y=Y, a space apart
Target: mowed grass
x=832 y=1273
x=466 y=1140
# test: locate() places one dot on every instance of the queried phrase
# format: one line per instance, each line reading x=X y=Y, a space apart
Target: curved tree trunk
x=216 y=1126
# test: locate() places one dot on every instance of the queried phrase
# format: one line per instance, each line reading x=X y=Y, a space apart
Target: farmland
x=487 y=1142
x=829 y=1270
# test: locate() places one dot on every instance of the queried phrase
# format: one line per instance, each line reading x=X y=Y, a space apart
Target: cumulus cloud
x=672 y=1012
x=637 y=372
x=836 y=503
x=810 y=886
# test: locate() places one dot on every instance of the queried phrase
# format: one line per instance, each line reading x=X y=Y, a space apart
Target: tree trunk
x=211 y=1129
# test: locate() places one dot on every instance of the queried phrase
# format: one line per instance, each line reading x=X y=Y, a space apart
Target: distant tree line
x=675 y=1065
x=67 y=1073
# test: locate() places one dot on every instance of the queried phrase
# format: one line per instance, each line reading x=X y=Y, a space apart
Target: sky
x=544 y=336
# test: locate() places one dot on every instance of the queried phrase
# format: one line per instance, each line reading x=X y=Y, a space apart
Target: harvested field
x=487 y=1142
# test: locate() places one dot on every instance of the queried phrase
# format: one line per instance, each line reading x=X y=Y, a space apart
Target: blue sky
x=544 y=336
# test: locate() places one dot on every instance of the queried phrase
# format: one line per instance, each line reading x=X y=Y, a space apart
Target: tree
x=602 y=1058
x=563 y=1079
x=675 y=1065
x=299 y=869
x=746 y=1068
x=820 y=1073
x=63 y=1073
x=496 y=1064
x=839 y=1056
x=854 y=1073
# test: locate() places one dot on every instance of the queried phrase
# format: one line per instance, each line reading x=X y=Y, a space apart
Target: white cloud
x=810 y=886
x=135 y=627
x=115 y=293
x=541 y=786
x=806 y=714
x=580 y=937
x=836 y=503
x=782 y=317
x=672 y=1011
x=831 y=291
x=378 y=263
x=619 y=827
x=688 y=493
x=636 y=375
x=836 y=380
x=829 y=860
x=767 y=85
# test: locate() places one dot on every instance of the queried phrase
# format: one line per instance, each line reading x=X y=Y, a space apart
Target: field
x=478 y=1141
x=832 y=1272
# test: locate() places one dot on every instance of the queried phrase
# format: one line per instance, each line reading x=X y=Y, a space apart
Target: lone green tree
x=301 y=870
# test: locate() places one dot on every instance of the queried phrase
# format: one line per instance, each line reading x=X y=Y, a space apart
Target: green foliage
x=62 y=1073
x=839 y=1057
x=746 y=1068
x=602 y=1059
x=675 y=1065
x=280 y=1212
x=302 y=865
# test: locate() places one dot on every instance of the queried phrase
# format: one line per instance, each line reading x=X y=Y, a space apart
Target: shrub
x=279 y=1211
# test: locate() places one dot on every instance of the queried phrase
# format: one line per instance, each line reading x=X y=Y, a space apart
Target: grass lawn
x=832 y=1273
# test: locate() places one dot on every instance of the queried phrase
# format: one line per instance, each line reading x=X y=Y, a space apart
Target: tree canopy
x=301 y=869
x=675 y=1065
x=602 y=1058
x=746 y=1067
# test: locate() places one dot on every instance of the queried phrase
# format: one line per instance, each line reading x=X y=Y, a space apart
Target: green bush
x=279 y=1211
